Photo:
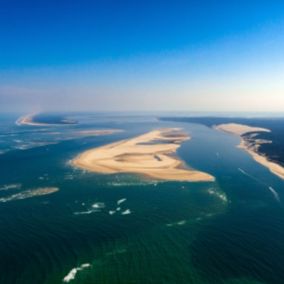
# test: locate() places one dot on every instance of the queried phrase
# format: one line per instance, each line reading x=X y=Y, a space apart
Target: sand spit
x=28 y=120
x=151 y=154
x=252 y=144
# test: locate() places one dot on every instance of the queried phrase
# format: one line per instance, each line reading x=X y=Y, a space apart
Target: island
x=251 y=144
x=152 y=155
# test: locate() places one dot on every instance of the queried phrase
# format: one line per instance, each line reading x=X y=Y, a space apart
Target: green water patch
x=151 y=244
x=163 y=220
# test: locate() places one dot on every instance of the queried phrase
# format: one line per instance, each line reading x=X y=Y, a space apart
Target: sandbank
x=151 y=154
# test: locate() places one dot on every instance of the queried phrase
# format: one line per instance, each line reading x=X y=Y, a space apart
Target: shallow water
x=128 y=229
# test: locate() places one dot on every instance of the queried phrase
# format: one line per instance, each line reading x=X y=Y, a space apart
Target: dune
x=151 y=154
x=239 y=129
x=252 y=148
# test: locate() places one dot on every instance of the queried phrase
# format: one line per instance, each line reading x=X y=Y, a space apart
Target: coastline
x=152 y=154
x=252 y=149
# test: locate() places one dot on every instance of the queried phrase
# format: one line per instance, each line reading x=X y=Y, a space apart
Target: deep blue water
x=228 y=231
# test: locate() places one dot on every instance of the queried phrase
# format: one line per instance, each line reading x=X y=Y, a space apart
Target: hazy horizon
x=142 y=56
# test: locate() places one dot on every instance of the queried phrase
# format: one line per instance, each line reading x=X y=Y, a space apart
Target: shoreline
x=252 y=150
x=152 y=155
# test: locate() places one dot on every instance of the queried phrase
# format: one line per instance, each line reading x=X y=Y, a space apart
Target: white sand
x=239 y=129
x=151 y=154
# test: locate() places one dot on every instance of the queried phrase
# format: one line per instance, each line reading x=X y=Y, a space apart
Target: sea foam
x=10 y=186
x=121 y=201
x=73 y=272
x=126 y=212
x=29 y=194
x=98 y=205
x=84 y=212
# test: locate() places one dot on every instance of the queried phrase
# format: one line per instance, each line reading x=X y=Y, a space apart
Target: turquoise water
x=229 y=231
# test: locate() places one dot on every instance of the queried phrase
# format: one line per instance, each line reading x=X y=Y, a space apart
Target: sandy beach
x=240 y=130
x=151 y=154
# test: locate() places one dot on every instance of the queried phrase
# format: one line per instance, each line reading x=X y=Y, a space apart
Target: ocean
x=123 y=228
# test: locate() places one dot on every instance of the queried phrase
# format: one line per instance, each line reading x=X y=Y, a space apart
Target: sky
x=141 y=55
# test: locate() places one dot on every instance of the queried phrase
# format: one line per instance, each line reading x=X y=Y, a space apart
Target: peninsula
x=251 y=144
x=151 y=154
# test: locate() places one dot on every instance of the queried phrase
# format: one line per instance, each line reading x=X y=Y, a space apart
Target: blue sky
x=142 y=55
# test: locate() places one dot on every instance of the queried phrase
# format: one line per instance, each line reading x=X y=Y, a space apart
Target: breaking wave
x=10 y=186
x=29 y=194
x=126 y=212
x=121 y=201
x=73 y=272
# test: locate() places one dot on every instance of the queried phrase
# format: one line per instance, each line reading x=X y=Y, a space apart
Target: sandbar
x=239 y=129
x=152 y=154
x=252 y=148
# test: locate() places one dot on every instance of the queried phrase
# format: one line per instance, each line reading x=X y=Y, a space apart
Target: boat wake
x=275 y=194
x=270 y=188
